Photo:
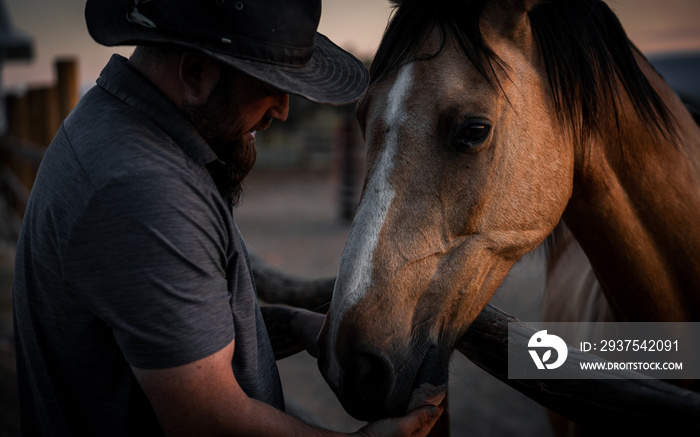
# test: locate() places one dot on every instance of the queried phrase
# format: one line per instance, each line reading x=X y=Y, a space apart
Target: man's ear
x=198 y=75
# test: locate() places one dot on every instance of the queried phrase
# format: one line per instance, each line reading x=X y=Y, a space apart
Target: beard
x=213 y=121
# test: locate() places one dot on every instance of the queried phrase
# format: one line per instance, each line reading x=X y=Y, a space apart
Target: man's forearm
x=292 y=330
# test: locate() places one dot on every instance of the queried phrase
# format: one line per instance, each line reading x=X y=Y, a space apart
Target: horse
x=489 y=124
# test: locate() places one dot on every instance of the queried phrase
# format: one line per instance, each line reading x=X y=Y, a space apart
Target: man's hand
x=417 y=423
x=292 y=330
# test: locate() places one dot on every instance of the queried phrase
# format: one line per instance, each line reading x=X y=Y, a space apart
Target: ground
x=291 y=219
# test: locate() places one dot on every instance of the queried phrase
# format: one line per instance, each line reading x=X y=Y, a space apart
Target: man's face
x=237 y=107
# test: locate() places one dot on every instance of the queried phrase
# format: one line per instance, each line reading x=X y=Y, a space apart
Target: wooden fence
x=33 y=118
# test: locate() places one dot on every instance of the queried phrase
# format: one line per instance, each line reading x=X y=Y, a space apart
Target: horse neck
x=635 y=208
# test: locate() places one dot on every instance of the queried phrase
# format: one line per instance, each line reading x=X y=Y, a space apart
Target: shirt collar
x=128 y=85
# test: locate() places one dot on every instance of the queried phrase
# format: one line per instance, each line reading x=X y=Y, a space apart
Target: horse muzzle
x=372 y=384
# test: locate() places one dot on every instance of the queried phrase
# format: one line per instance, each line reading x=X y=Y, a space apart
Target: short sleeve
x=147 y=255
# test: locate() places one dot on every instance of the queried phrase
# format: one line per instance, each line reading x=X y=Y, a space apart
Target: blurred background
x=301 y=196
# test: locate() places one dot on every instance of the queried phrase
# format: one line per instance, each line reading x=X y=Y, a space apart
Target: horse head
x=456 y=191
x=487 y=122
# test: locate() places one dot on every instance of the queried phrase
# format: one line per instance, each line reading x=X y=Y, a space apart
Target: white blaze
x=356 y=261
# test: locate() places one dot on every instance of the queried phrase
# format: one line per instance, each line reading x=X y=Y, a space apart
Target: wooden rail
x=620 y=406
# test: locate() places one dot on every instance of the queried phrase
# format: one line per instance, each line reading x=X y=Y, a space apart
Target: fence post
x=18 y=116
x=20 y=127
x=67 y=84
x=32 y=121
x=43 y=108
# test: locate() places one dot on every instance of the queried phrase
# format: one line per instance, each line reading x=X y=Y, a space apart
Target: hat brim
x=332 y=76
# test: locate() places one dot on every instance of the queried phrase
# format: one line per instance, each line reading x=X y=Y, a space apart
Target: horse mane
x=585 y=50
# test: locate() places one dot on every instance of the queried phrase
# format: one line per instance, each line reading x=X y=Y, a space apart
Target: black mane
x=582 y=43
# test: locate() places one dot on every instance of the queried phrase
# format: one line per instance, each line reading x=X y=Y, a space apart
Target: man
x=135 y=309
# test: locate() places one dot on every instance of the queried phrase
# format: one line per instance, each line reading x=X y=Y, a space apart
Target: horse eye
x=471 y=135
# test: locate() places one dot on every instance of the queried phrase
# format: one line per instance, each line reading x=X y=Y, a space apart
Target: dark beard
x=238 y=160
x=238 y=156
x=229 y=177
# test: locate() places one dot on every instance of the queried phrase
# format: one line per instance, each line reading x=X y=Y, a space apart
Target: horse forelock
x=588 y=59
x=409 y=27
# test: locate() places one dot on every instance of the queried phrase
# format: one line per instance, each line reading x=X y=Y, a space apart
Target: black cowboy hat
x=272 y=40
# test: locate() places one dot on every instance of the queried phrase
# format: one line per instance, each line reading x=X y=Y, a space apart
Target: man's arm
x=292 y=329
x=204 y=398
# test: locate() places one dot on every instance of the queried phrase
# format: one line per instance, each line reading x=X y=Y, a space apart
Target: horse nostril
x=371 y=377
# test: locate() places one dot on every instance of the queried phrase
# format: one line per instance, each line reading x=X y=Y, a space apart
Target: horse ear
x=510 y=16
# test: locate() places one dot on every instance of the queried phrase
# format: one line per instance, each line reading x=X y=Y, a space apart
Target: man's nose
x=279 y=109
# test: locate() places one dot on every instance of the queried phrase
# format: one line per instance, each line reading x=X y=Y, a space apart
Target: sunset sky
x=58 y=29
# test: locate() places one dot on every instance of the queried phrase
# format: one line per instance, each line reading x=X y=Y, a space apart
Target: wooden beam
x=612 y=406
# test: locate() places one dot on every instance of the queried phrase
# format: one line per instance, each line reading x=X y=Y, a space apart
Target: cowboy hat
x=274 y=41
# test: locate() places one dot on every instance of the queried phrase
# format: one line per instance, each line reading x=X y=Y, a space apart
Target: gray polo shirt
x=128 y=255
